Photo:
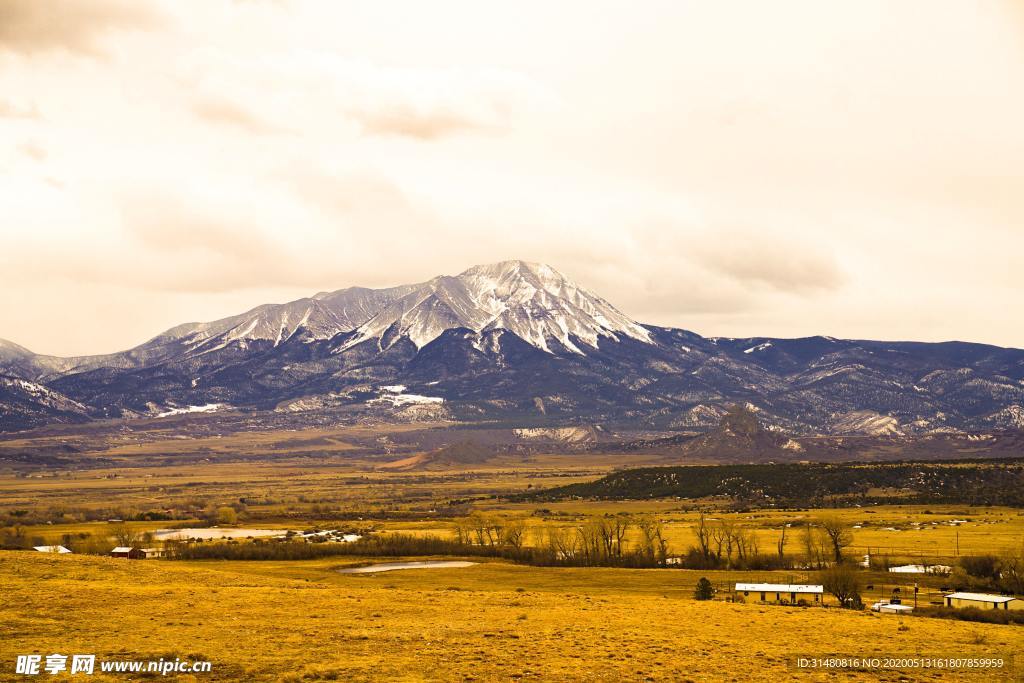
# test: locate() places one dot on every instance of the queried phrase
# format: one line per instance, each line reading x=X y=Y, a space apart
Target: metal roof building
x=984 y=601
x=779 y=588
x=59 y=549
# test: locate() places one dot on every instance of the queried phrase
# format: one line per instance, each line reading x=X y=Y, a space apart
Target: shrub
x=227 y=515
x=385 y=545
x=985 y=616
x=981 y=566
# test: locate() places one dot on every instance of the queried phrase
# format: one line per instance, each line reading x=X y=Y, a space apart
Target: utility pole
x=957 y=532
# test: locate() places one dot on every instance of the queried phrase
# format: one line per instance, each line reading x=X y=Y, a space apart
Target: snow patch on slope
x=563 y=434
x=208 y=408
x=759 y=347
x=42 y=395
x=394 y=395
x=866 y=422
x=1011 y=417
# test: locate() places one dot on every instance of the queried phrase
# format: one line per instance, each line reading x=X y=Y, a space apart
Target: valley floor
x=296 y=621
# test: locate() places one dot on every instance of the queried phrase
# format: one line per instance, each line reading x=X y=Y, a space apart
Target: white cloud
x=307 y=90
x=36 y=26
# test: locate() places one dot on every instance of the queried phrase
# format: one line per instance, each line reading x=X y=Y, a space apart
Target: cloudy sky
x=734 y=168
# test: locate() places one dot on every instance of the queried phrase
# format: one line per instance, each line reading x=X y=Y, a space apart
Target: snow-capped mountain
x=313 y=319
x=520 y=340
x=533 y=301
x=308 y=320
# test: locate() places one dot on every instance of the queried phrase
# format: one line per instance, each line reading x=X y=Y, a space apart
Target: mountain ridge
x=519 y=338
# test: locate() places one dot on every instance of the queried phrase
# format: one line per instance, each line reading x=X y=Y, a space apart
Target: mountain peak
x=532 y=300
x=514 y=267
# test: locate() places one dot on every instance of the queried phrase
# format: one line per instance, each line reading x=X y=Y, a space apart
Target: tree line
x=725 y=544
x=605 y=541
x=618 y=540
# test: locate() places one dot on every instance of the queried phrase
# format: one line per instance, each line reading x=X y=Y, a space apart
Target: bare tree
x=781 y=545
x=605 y=538
x=484 y=529
x=746 y=546
x=703 y=533
x=812 y=545
x=654 y=545
x=839 y=534
x=563 y=544
x=718 y=536
x=661 y=544
x=618 y=528
x=514 y=533
x=494 y=527
x=464 y=531
x=726 y=538
x=602 y=540
x=591 y=541
x=124 y=535
x=1011 y=574
x=843 y=582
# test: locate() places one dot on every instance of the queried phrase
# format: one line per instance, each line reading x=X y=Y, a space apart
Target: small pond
x=214 y=532
x=392 y=566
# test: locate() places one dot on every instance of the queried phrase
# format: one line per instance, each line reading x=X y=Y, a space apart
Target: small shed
x=151 y=553
x=984 y=601
x=128 y=552
x=57 y=549
x=781 y=593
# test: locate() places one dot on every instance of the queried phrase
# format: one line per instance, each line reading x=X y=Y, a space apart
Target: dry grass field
x=304 y=621
x=493 y=621
x=293 y=493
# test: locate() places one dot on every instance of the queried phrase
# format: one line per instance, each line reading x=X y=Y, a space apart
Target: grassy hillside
x=965 y=482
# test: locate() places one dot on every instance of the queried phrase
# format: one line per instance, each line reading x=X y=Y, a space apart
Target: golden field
x=493 y=621
x=299 y=493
